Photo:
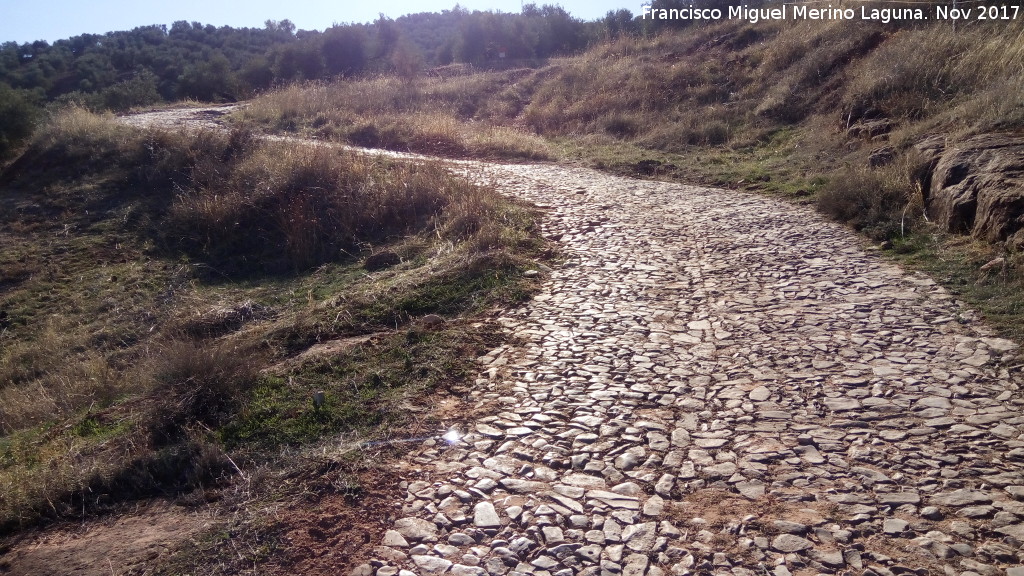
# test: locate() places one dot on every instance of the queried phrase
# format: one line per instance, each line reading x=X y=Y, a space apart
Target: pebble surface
x=713 y=382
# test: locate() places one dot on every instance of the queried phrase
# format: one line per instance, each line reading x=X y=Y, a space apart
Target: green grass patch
x=367 y=389
x=956 y=263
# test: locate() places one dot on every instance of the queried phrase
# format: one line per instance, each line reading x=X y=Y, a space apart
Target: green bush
x=18 y=115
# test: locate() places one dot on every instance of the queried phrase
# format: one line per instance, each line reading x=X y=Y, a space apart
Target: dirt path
x=176 y=118
x=122 y=544
x=719 y=383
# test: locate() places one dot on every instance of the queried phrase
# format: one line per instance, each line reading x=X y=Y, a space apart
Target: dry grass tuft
x=76 y=126
x=52 y=376
x=196 y=383
x=447 y=117
x=883 y=203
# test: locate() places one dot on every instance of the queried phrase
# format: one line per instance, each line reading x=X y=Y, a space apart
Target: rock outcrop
x=977 y=187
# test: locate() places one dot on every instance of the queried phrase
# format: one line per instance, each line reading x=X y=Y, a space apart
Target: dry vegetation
x=156 y=281
x=429 y=115
x=765 y=91
x=788 y=108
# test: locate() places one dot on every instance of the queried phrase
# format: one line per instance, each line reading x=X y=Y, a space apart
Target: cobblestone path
x=719 y=383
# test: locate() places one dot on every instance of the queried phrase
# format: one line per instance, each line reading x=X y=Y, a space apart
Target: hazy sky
x=24 y=21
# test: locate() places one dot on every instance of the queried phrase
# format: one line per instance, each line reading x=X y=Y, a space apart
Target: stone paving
x=718 y=383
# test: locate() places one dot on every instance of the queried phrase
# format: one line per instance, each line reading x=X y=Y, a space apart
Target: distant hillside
x=190 y=60
x=152 y=64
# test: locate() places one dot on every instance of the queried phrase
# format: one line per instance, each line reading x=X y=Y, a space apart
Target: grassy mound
x=162 y=290
x=428 y=115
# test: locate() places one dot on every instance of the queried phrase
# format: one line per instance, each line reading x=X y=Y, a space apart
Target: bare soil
x=333 y=534
x=120 y=544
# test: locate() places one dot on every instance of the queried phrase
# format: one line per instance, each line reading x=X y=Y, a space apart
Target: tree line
x=190 y=60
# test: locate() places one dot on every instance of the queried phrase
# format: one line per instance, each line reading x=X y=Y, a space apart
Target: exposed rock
x=881 y=156
x=416 y=529
x=788 y=543
x=432 y=564
x=977 y=187
x=899 y=498
x=635 y=565
x=871 y=128
x=484 y=516
x=518 y=486
x=828 y=558
x=894 y=526
x=752 y=490
x=1017 y=492
x=395 y=538
x=788 y=527
x=640 y=537
x=432 y=321
x=960 y=498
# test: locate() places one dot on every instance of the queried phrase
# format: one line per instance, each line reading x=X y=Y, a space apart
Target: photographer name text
x=787 y=12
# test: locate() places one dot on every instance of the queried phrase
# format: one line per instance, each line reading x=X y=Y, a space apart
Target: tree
x=387 y=36
x=282 y=28
x=345 y=50
x=256 y=74
x=140 y=90
x=17 y=119
x=620 y=23
x=562 y=34
x=472 y=43
x=299 y=60
x=209 y=80
x=406 y=61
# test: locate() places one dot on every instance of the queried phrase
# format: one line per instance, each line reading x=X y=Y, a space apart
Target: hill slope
x=852 y=115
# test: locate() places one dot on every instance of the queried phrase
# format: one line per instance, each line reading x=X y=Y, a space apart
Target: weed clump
x=883 y=203
x=196 y=383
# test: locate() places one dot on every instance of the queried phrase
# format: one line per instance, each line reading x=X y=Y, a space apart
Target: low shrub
x=17 y=118
x=287 y=206
x=196 y=383
x=883 y=203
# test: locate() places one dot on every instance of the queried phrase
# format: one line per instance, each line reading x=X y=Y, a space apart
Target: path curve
x=714 y=382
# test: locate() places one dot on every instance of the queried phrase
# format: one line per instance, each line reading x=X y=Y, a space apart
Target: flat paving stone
x=788 y=543
x=485 y=516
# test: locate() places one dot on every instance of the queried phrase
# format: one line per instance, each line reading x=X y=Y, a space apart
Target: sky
x=50 y=20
